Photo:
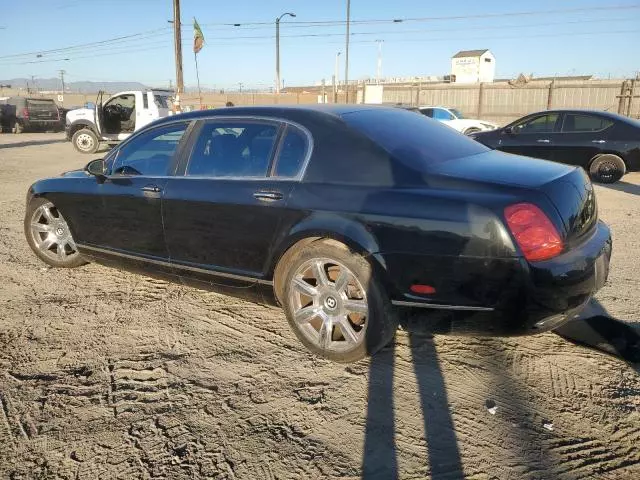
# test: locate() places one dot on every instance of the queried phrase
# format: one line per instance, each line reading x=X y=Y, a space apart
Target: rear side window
x=145 y=101
x=574 y=122
x=412 y=139
x=292 y=154
x=427 y=111
x=233 y=149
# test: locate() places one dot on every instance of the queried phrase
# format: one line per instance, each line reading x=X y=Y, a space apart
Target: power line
x=439 y=18
x=84 y=45
x=323 y=23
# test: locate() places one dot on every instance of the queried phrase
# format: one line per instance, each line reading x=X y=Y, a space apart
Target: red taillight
x=537 y=237
x=25 y=113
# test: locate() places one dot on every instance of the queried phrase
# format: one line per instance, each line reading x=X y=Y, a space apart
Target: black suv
x=23 y=113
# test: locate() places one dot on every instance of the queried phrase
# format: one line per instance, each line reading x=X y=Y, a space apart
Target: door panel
x=225 y=225
x=581 y=138
x=532 y=136
x=223 y=214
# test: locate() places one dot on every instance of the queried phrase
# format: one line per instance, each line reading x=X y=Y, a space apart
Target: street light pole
x=379 y=67
x=293 y=15
x=336 y=80
x=346 y=55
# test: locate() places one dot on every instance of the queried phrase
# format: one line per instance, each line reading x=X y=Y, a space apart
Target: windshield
x=457 y=113
x=415 y=140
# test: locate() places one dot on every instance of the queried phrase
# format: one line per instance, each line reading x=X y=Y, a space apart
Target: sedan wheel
x=607 y=168
x=49 y=236
x=334 y=305
x=329 y=305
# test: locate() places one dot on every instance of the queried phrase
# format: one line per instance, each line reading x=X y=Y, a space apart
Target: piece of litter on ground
x=548 y=426
x=491 y=406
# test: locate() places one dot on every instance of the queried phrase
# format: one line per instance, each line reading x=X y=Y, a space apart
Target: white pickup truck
x=116 y=119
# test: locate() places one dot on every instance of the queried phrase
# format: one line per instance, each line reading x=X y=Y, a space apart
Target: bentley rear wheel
x=334 y=304
x=49 y=236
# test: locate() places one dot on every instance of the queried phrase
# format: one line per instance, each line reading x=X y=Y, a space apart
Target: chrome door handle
x=268 y=196
x=151 y=189
x=598 y=141
x=544 y=140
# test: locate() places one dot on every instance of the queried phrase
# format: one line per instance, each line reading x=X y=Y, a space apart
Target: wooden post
x=480 y=99
x=550 y=95
x=632 y=88
x=623 y=91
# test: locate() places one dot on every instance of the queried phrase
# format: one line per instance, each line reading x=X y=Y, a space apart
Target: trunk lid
x=42 y=109
x=568 y=188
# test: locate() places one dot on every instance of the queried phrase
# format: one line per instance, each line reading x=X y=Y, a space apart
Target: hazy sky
x=602 y=42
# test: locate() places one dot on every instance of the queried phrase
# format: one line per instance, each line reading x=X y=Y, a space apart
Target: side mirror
x=96 y=168
x=508 y=130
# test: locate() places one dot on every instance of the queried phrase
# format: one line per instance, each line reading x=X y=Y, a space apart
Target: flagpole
x=198 y=77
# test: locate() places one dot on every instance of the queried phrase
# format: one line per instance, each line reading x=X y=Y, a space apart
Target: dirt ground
x=105 y=374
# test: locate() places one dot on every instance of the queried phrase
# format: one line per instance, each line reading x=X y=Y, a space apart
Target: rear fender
x=336 y=227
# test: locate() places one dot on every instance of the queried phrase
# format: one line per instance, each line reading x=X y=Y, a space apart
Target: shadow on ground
x=30 y=143
x=594 y=328
x=623 y=186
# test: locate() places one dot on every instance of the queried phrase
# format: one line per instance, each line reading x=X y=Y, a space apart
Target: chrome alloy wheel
x=51 y=234
x=329 y=305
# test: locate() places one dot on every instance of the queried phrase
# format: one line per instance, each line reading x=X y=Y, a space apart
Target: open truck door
x=99 y=114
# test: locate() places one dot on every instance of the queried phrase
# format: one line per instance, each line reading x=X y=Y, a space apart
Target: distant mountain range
x=49 y=84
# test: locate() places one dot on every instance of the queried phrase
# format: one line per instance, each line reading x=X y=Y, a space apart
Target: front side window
x=440 y=114
x=541 y=124
x=574 y=122
x=150 y=153
x=292 y=154
x=233 y=149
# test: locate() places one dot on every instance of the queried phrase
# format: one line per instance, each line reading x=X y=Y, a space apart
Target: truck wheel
x=85 y=141
x=17 y=127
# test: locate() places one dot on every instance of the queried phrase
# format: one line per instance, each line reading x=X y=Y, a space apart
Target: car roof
x=335 y=110
x=602 y=113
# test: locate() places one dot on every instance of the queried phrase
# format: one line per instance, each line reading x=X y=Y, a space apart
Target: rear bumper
x=35 y=124
x=514 y=297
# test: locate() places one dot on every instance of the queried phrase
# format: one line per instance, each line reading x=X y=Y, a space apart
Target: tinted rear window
x=41 y=103
x=414 y=139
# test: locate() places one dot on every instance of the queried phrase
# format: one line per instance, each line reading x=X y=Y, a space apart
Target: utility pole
x=62 y=72
x=33 y=82
x=346 y=55
x=379 y=66
x=293 y=15
x=178 y=51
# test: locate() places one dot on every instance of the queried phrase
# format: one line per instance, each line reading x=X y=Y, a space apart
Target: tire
x=49 y=236
x=85 y=141
x=17 y=128
x=607 y=168
x=472 y=130
x=333 y=302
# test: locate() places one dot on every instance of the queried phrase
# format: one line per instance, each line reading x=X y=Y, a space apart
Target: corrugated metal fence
x=503 y=102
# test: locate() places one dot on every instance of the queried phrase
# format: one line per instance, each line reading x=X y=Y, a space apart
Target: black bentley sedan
x=350 y=217
x=605 y=144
